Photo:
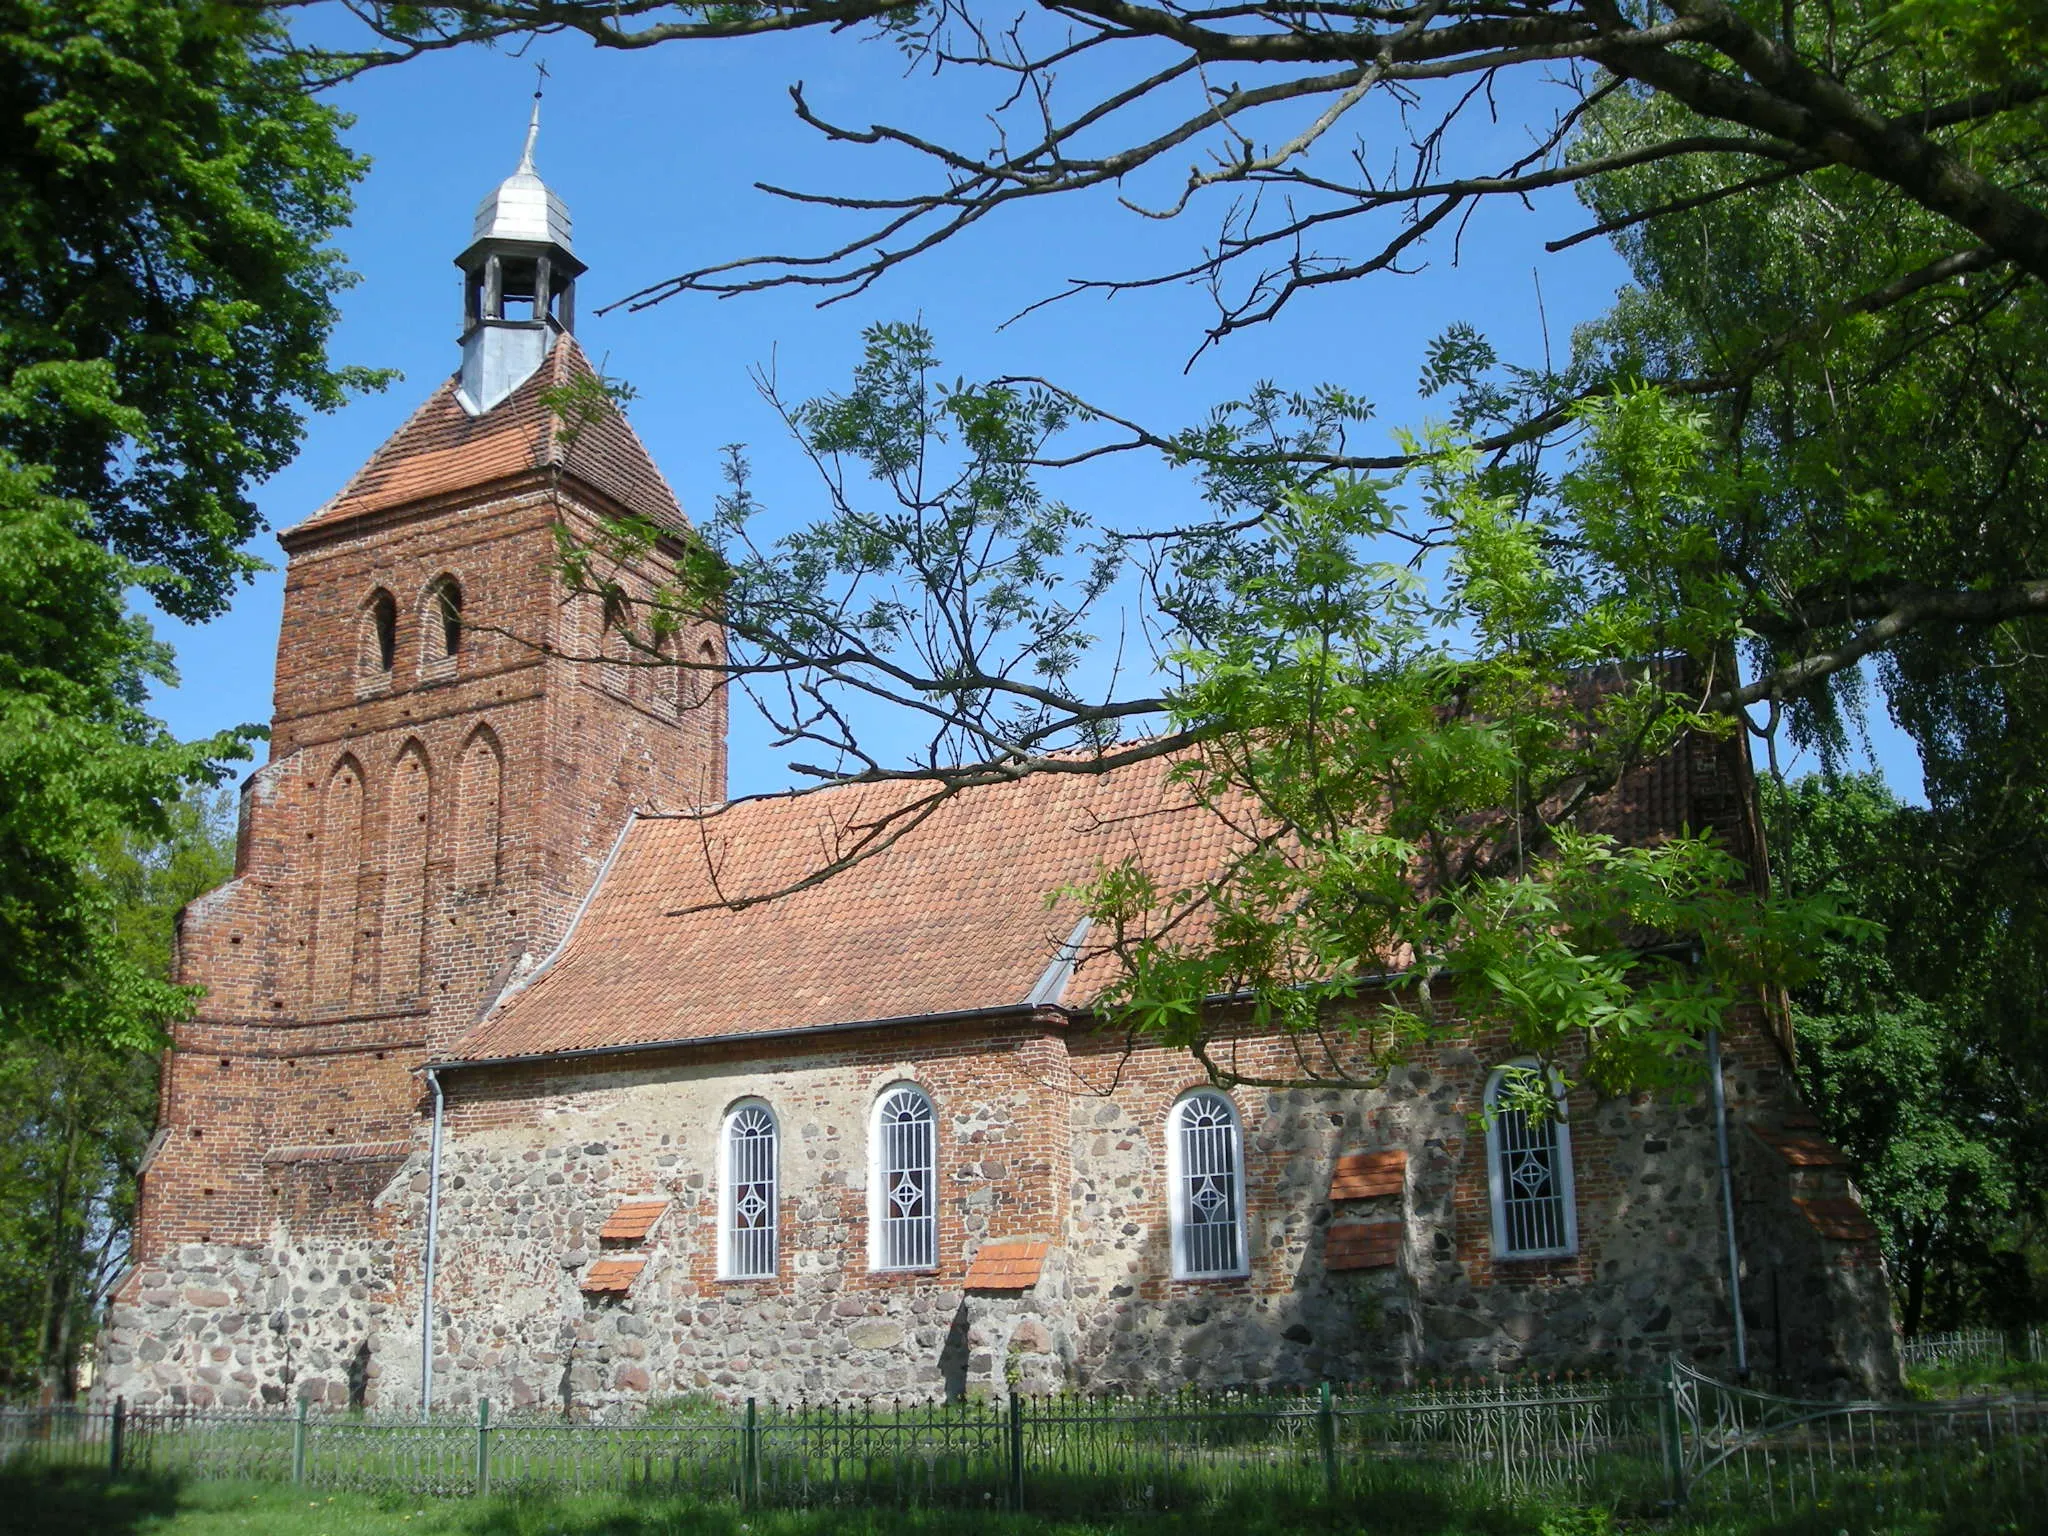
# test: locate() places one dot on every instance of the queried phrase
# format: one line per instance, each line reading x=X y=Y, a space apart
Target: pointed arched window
x=747 y=1193
x=1205 y=1172
x=379 y=641
x=903 y=1208
x=1529 y=1171
x=441 y=619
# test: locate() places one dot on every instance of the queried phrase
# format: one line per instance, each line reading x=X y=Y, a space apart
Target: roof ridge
x=558 y=363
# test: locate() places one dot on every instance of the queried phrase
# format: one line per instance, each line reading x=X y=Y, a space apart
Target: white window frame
x=735 y=1262
x=1501 y=1131
x=1180 y=1194
x=884 y=1143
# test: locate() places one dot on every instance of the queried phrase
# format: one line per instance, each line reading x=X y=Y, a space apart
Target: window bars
x=1208 y=1200
x=750 y=1193
x=1533 y=1211
x=908 y=1219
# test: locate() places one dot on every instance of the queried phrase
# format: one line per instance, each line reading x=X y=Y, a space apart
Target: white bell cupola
x=518 y=283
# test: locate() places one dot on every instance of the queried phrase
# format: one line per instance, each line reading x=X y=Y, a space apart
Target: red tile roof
x=1802 y=1149
x=443 y=450
x=1365 y=1175
x=340 y=1152
x=718 y=924
x=612 y=1277
x=632 y=1221
x=1838 y=1218
x=1011 y=1266
x=952 y=918
x=1363 y=1245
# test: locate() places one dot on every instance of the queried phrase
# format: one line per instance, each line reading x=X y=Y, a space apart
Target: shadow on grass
x=72 y=1501
x=1402 y=1513
x=51 y=1502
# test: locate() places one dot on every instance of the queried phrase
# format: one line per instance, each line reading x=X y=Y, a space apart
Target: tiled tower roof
x=444 y=450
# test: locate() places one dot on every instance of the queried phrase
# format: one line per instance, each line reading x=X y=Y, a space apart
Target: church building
x=502 y=1085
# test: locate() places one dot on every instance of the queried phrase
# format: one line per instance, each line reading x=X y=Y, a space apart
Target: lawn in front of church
x=59 y=1504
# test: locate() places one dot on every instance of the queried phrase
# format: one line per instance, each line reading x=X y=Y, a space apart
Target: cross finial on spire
x=533 y=125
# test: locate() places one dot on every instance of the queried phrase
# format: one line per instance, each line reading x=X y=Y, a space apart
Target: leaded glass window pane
x=905 y=1165
x=1210 y=1200
x=750 y=1193
x=1531 y=1181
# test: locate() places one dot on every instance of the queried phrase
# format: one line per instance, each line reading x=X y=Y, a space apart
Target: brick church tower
x=449 y=769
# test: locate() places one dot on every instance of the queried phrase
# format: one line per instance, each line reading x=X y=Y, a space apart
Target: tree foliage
x=1834 y=213
x=1921 y=1046
x=1806 y=440
x=166 y=287
x=76 y=1114
x=165 y=299
x=1262 y=98
x=1419 y=752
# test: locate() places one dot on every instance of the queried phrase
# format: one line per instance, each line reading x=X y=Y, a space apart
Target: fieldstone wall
x=1031 y=1144
x=217 y=1325
x=1649 y=1277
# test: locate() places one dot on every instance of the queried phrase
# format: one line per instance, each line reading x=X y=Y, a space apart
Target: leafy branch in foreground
x=1834 y=214
x=1422 y=765
x=1419 y=752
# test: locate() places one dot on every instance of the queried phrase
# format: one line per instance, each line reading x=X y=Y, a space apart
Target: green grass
x=49 y=1503
x=1932 y=1381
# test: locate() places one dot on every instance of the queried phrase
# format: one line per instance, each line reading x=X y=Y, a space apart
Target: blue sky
x=657 y=154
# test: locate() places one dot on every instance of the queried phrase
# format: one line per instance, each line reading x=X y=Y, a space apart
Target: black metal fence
x=1684 y=1440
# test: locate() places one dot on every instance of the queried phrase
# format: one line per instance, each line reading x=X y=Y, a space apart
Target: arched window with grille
x=1205 y=1175
x=1529 y=1169
x=747 y=1187
x=903 y=1207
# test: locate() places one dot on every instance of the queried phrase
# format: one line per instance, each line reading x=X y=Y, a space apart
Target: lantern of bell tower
x=518 y=283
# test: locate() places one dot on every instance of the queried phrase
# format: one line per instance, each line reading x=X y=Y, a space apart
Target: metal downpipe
x=433 y=1232
x=1728 y=1202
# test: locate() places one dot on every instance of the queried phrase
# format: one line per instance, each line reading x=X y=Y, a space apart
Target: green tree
x=1907 y=1051
x=1809 y=193
x=1891 y=153
x=165 y=299
x=76 y=1115
x=1415 y=758
x=166 y=286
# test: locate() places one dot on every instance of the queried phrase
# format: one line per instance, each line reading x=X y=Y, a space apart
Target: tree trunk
x=1916 y=1278
x=60 y=1265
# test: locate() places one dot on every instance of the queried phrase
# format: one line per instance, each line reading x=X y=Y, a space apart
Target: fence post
x=116 y=1435
x=299 y=1445
x=750 y=1460
x=483 y=1446
x=1326 y=1428
x=1017 y=1451
x=1668 y=1420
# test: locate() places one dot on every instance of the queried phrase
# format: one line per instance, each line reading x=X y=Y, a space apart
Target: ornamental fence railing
x=1974 y=1346
x=1732 y=1446
x=1685 y=1439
